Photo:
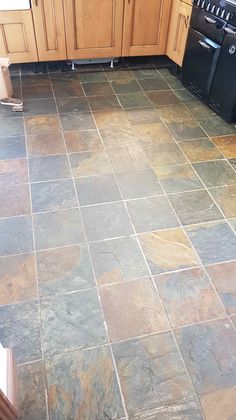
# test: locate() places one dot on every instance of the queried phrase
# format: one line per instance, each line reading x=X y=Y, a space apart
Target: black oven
x=209 y=67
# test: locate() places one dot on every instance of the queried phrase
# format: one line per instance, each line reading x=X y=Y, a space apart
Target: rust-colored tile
x=128 y=159
x=200 y=150
x=223 y=276
x=42 y=124
x=90 y=163
x=14 y=200
x=106 y=119
x=142 y=116
x=45 y=144
x=132 y=309
x=118 y=137
x=188 y=297
x=227 y=145
x=165 y=154
x=82 y=141
x=177 y=178
x=168 y=250
x=226 y=199
x=166 y=97
x=153 y=134
x=18 y=279
x=13 y=172
x=174 y=113
x=220 y=405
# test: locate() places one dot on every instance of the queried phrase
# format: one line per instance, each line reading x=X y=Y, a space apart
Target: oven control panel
x=221 y=8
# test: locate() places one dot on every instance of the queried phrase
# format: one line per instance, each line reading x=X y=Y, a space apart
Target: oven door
x=200 y=61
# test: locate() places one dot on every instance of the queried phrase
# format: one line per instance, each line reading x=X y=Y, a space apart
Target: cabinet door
x=17 y=40
x=145 y=27
x=93 y=28
x=49 y=29
x=178 y=31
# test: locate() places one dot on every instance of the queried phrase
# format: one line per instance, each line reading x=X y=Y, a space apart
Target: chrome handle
x=204 y=45
x=229 y=31
x=209 y=20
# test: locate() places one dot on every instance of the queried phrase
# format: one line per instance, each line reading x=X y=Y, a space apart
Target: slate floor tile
x=20 y=330
x=134 y=100
x=185 y=95
x=90 y=163
x=225 y=197
x=35 y=79
x=31 y=391
x=227 y=145
x=40 y=107
x=77 y=121
x=45 y=168
x=16 y=235
x=58 y=228
x=79 y=375
x=68 y=89
x=200 y=150
x=132 y=309
x=174 y=113
x=199 y=110
x=232 y=163
x=138 y=184
x=186 y=410
x=195 y=207
x=126 y=86
x=42 y=124
x=53 y=195
x=93 y=76
x=18 y=279
x=145 y=73
x=214 y=242
x=72 y=105
x=103 y=221
x=223 y=278
x=209 y=351
x=119 y=137
x=13 y=172
x=103 y=102
x=165 y=154
x=11 y=126
x=49 y=144
x=219 y=404
x=151 y=372
x=64 y=270
x=174 y=82
x=215 y=173
x=117 y=260
x=119 y=74
x=110 y=119
x=142 y=116
x=82 y=141
x=215 y=126
x=189 y=297
x=62 y=314
x=97 y=189
x=152 y=213
x=12 y=147
x=14 y=200
x=37 y=92
x=233 y=223
x=164 y=97
x=177 y=178
x=153 y=134
x=153 y=83
x=168 y=250
x=97 y=88
x=186 y=130
x=128 y=159
x=62 y=76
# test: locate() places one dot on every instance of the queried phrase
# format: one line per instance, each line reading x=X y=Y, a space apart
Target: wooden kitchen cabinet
x=178 y=31
x=49 y=26
x=93 y=28
x=17 y=39
x=145 y=27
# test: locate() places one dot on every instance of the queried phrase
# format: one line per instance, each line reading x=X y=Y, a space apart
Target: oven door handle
x=229 y=31
x=210 y=20
x=205 y=45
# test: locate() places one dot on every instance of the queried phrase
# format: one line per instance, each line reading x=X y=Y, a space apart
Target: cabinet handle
x=204 y=45
x=209 y=20
x=229 y=31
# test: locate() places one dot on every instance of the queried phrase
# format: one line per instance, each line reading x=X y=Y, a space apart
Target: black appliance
x=209 y=67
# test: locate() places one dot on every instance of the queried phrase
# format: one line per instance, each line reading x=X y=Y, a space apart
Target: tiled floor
x=118 y=247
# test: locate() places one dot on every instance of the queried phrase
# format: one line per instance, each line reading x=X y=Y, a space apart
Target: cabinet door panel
x=50 y=29
x=145 y=27
x=17 y=39
x=93 y=28
x=178 y=31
